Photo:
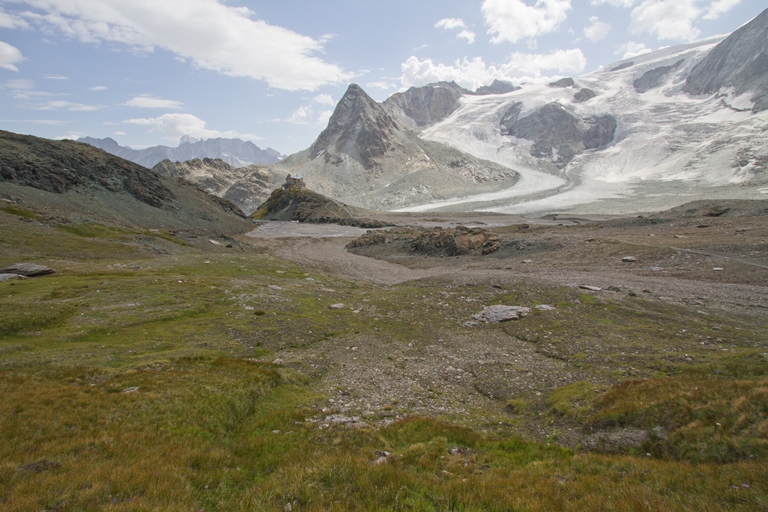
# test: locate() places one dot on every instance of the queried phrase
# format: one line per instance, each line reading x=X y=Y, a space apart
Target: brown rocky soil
x=696 y=269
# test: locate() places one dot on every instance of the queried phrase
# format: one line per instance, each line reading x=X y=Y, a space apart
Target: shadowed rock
x=740 y=61
x=652 y=79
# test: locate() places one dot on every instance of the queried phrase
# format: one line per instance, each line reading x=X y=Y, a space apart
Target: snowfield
x=668 y=145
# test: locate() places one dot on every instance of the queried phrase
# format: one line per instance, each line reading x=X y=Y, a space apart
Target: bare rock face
x=557 y=133
x=600 y=131
x=247 y=187
x=653 y=78
x=563 y=82
x=740 y=62
x=583 y=95
x=359 y=127
x=429 y=104
x=496 y=87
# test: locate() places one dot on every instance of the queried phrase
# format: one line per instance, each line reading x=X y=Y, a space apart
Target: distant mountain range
x=236 y=152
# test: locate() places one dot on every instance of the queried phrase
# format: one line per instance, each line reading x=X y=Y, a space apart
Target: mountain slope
x=82 y=183
x=235 y=152
x=369 y=157
x=247 y=187
x=739 y=63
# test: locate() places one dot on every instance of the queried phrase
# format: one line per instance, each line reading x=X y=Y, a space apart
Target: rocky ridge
x=236 y=152
x=247 y=187
x=81 y=183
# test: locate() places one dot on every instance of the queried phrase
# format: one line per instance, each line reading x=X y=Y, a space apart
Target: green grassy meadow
x=140 y=377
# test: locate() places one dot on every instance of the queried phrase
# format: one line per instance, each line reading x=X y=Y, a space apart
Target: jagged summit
x=359 y=127
x=740 y=62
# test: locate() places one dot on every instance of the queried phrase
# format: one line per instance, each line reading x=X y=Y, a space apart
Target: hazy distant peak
x=188 y=139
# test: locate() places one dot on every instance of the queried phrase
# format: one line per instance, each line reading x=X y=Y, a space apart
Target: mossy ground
x=140 y=377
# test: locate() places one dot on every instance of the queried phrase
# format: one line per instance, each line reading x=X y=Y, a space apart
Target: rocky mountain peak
x=359 y=127
x=429 y=104
x=740 y=61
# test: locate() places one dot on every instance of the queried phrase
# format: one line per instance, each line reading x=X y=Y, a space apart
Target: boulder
x=501 y=313
x=27 y=270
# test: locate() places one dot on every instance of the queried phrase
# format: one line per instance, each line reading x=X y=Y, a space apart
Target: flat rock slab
x=8 y=277
x=27 y=270
x=501 y=313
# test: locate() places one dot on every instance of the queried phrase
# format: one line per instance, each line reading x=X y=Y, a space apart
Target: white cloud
x=450 y=23
x=473 y=73
x=24 y=89
x=631 y=49
x=323 y=117
x=9 y=56
x=720 y=7
x=468 y=35
x=97 y=88
x=457 y=23
x=67 y=105
x=210 y=34
x=385 y=85
x=307 y=114
x=513 y=20
x=173 y=126
x=301 y=115
x=11 y=21
x=149 y=101
x=56 y=77
x=324 y=99
x=615 y=3
x=666 y=19
x=596 y=30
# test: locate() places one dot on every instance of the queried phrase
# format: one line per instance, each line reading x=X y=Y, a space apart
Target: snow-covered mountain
x=371 y=156
x=236 y=152
x=646 y=133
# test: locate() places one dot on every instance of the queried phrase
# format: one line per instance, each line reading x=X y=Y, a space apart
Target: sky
x=146 y=72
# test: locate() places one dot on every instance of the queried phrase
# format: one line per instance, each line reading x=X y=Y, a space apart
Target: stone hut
x=293 y=182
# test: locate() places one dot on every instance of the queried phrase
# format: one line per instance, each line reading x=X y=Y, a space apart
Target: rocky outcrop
x=236 y=152
x=303 y=205
x=27 y=270
x=497 y=87
x=739 y=62
x=557 y=133
x=563 y=82
x=247 y=187
x=436 y=242
x=432 y=103
x=500 y=313
x=653 y=78
x=583 y=95
x=600 y=131
x=623 y=65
